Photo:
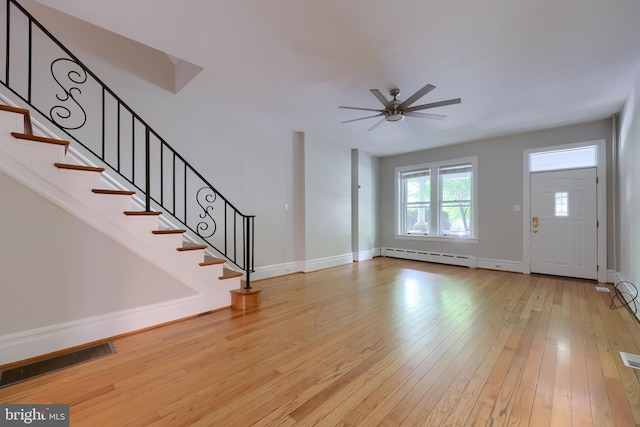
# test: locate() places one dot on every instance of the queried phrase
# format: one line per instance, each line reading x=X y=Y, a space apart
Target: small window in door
x=562 y=204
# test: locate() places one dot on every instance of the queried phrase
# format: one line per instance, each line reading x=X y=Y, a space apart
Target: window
x=562 y=204
x=581 y=157
x=437 y=199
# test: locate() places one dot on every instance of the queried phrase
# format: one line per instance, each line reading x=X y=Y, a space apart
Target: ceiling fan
x=396 y=110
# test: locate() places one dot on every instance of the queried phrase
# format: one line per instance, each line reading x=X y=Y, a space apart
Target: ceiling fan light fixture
x=396 y=110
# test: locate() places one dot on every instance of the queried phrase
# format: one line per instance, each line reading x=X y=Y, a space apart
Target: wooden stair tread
x=209 y=260
x=169 y=231
x=117 y=192
x=40 y=139
x=13 y=109
x=229 y=274
x=191 y=247
x=142 y=213
x=28 y=130
x=78 y=167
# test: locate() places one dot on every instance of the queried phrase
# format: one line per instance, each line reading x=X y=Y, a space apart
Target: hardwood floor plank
x=525 y=393
x=580 y=405
x=561 y=410
x=600 y=407
x=543 y=399
x=385 y=342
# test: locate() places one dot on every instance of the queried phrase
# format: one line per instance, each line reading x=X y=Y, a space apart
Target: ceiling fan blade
x=434 y=104
x=362 y=118
x=377 y=124
x=419 y=94
x=425 y=115
x=405 y=124
x=380 y=97
x=363 y=109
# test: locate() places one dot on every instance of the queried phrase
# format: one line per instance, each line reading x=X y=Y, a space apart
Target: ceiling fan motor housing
x=393 y=114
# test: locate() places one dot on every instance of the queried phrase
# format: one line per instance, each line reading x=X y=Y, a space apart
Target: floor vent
x=630 y=360
x=602 y=289
x=32 y=370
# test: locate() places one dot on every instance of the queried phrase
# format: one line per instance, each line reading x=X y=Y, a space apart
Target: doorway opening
x=554 y=160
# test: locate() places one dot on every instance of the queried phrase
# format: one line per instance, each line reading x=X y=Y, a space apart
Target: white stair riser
x=109 y=205
x=194 y=257
x=34 y=154
x=138 y=224
x=76 y=180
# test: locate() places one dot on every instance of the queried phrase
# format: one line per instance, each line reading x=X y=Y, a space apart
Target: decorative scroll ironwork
x=62 y=115
x=118 y=137
x=206 y=197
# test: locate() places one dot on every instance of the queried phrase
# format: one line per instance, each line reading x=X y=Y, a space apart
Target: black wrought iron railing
x=54 y=82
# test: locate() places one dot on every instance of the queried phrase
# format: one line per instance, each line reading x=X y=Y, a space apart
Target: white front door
x=564 y=223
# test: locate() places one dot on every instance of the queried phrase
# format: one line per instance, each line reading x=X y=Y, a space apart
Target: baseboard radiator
x=440 y=258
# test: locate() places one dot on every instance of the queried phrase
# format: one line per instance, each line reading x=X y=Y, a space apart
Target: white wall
x=364 y=205
x=327 y=194
x=628 y=179
x=499 y=189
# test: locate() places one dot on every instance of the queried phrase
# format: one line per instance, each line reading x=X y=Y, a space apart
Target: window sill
x=445 y=239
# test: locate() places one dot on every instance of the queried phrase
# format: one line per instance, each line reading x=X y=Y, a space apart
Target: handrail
x=77 y=102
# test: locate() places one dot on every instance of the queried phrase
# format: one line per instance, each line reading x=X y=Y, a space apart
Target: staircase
x=42 y=164
x=120 y=181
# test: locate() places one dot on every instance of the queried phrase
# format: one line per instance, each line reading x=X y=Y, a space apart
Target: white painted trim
x=621 y=282
x=601 y=171
x=500 y=264
x=275 y=270
x=366 y=255
x=328 y=262
x=35 y=342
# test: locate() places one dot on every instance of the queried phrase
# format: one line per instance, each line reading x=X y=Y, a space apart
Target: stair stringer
x=105 y=214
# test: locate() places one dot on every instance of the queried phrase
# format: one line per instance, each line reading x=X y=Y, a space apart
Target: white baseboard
x=366 y=255
x=628 y=292
x=500 y=264
x=36 y=342
x=322 y=263
x=275 y=270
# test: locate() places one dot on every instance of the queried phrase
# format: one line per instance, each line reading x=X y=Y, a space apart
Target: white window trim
x=474 y=201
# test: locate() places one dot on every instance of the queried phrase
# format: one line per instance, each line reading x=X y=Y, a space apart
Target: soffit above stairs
x=153 y=65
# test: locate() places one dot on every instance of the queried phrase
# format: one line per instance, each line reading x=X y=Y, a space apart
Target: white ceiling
x=518 y=65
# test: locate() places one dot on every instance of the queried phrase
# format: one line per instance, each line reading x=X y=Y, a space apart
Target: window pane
x=417 y=218
x=417 y=213
x=562 y=204
x=455 y=218
x=455 y=201
x=564 y=159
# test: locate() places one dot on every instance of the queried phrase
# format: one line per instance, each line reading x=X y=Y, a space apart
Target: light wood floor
x=378 y=343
